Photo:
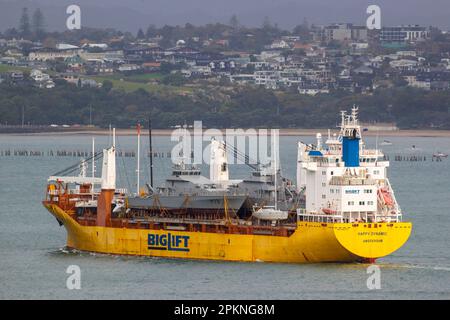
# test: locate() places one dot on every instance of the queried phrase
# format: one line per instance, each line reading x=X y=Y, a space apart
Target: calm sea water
x=33 y=262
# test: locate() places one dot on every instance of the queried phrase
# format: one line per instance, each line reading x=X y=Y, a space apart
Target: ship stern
x=372 y=240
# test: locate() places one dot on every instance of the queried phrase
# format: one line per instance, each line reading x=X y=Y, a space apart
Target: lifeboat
x=386 y=195
x=328 y=211
x=270 y=213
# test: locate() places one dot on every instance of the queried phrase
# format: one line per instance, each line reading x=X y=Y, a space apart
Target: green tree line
x=245 y=107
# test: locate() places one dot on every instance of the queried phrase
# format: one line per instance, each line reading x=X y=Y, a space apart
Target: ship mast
x=93 y=157
x=275 y=153
x=138 y=169
x=93 y=165
x=151 y=150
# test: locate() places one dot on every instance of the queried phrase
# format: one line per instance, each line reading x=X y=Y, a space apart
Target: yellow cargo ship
x=350 y=214
x=309 y=242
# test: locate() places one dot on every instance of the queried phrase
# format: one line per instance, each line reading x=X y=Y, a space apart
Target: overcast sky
x=130 y=15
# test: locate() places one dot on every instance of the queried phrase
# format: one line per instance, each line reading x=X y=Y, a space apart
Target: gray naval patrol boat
x=186 y=191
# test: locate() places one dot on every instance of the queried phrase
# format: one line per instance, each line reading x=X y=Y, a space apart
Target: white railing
x=122 y=191
x=302 y=215
x=348 y=217
x=77 y=192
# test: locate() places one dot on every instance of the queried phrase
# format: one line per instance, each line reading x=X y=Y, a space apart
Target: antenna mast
x=150 y=149
x=93 y=165
x=275 y=153
x=138 y=169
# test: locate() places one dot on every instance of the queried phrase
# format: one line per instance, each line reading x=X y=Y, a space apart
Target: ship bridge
x=344 y=180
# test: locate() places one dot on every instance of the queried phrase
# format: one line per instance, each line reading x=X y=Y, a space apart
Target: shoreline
x=283 y=132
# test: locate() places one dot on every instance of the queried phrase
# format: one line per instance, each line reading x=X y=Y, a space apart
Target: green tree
x=57 y=65
x=302 y=31
x=11 y=33
x=38 y=23
x=167 y=67
x=174 y=79
x=24 y=23
x=152 y=31
x=107 y=85
x=234 y=22
x=250 y=68
x=140 y=34
x=267 y=25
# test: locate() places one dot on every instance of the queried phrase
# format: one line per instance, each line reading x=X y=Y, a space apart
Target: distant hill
x=131 y=14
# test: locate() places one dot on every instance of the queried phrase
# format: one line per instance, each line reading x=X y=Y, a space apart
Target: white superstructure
x=109 y=166
x=218 y=167
x=343 y=180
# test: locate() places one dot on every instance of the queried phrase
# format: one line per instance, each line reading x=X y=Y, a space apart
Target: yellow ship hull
x=311 y=242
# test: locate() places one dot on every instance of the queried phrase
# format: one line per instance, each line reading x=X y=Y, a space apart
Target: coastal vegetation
x=243 y=106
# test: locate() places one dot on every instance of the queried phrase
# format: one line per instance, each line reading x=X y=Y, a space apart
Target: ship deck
x=232 y=226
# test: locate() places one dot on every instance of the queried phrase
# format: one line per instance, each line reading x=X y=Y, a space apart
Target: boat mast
x=93 y=157
x=109 y=134
x=114 y=138
x=93 y=165
x=275 y=167
x=151 y=150
x=138 y=169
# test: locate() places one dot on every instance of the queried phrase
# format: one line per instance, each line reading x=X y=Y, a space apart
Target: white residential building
x=39 y=76
x=48 y=55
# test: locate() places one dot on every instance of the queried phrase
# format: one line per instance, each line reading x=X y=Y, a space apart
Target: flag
x=139 y=129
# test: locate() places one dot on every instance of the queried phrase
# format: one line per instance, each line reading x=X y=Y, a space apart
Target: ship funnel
x=218 y=165
x=350 y=149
